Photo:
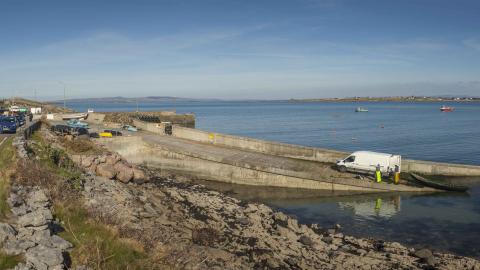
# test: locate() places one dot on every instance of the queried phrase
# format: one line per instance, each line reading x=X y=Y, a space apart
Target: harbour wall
x=157 y=128
x=315 y=154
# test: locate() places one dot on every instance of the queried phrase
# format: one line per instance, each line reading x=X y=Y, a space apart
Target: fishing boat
x=361 y=109
x=443 y=186
x=74 y=116
x=446 y=108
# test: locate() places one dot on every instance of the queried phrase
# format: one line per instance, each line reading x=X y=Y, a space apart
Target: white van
x=367 y=162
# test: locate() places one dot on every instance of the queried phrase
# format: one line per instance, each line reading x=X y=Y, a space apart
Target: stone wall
x=186 y=120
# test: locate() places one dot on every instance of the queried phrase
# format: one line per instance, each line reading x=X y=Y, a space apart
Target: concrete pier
x=315 y=154
x=240 y=160
x=233 y=165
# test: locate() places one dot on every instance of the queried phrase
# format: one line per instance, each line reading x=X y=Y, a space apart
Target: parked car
x=367 y=162
x=130 y=128
x=79 y=132
x=94 y=135
x=105 y=135
x=61 y=129
x=113 y=132
x=8 y=124
x=74 y=123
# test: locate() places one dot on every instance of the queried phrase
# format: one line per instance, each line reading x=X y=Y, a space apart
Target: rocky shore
x=188 y=226
x=200 y=228
x=31 y=231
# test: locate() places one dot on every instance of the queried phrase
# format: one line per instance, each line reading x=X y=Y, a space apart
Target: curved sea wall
x=314 y=154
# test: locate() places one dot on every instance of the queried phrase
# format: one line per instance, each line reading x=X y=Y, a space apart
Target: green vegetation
x=7 y=158
x=8 y=262
x=97 y=245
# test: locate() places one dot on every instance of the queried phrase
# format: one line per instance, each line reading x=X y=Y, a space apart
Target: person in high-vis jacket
x=378 y=174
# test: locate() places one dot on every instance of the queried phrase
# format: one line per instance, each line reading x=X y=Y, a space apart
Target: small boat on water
x=446 y=109
x=443 y=186
x=361 y=109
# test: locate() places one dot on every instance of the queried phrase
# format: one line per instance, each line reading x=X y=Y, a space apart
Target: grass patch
x=7 y=154
x=80 y=146
x=97 y=245
x=7 y=159
x=9 y=262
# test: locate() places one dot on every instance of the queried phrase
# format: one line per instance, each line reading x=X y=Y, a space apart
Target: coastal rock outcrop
x=111 y=166
x=32 y=235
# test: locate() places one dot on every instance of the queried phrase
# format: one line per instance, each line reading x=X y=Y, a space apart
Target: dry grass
x=97 y=245
x=9 y=262
x=7 y=160
x=80 y=146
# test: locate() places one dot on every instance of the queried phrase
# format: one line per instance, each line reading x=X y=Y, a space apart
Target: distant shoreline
x=388 y=99
x=410 y=99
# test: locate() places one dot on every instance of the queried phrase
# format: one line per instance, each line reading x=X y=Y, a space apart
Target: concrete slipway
x=233 y=165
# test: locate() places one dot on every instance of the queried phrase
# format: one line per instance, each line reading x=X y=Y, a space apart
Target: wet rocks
x=307 y=241
x=426 y=256
x=32 y=235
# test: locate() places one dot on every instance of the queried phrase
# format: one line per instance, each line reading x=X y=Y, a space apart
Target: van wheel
x=342 y=169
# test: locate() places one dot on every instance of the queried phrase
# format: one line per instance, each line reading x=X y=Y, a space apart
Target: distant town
x=393 y=99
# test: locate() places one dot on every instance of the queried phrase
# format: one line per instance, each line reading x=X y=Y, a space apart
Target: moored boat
x=361 y=109
x=74 y=116
x=443 y=186
x=446 y=109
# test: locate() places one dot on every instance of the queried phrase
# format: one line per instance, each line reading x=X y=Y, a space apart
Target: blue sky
x=239 y=49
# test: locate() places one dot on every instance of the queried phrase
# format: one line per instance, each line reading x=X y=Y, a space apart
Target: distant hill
x=149 y=99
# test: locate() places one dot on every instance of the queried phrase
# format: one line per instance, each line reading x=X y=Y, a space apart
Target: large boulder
x=106 y=170
x=36 y=218
x=43 y=257
x=87 y=161
x=124 y=172
x=139 y=176
x=37 y=199
x=112 y=159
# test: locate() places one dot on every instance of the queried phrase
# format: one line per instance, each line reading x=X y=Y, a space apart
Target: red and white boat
x=446 y=109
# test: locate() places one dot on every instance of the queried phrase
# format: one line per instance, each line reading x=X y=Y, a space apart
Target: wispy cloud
x=472 y=43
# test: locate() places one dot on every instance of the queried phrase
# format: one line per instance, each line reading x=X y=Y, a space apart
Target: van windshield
x=350 y=159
